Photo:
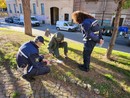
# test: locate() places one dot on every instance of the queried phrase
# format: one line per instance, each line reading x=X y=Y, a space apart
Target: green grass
x=15 y=95
x=105 y=89
x=109 y=76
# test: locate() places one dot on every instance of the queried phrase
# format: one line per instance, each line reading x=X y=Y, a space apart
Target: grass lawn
x=111 y=77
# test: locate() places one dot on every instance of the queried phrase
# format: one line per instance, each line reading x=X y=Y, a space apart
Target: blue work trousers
x=88 y=48
x=37 y=70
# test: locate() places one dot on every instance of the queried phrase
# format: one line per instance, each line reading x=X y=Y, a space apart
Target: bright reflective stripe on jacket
x=23 y=53
x=30 y=68
x=27 y=58
x=94 y=23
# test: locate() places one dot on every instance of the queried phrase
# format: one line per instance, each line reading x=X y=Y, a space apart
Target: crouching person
x=56 y=42
x=29 y=60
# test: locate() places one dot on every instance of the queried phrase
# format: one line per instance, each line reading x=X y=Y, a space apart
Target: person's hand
x=47 y=55
x=46 y=62
x=51 y=53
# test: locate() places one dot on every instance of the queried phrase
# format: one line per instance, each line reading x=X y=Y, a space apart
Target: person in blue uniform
x=91 y=35
x=29 y=60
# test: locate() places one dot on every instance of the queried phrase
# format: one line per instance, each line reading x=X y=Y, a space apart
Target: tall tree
x=2 y=4
x=27 y=19
x=126 y=4
x=116 y=25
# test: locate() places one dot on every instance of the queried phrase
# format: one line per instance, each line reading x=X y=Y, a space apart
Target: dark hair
x=79 y=16
x=39 y=39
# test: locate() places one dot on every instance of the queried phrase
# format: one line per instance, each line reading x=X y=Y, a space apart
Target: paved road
x=120 y=45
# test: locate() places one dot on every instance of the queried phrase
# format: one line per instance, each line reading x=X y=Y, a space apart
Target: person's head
x=79 y=16
x=59 y=36
x=39 y=40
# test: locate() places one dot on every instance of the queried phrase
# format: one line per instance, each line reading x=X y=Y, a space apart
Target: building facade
x=48 y=11
x=103 y=10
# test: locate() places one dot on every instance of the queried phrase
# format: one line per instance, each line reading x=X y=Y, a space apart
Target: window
x=15 y=8
x=34 y=8
x=65 y=24
x=33 y=19
x=42 y=8
x=66 y=17
x=20 y=7
x=10 y=8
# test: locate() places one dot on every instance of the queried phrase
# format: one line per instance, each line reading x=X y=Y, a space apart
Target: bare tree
x=27 y=19
x=116 y=25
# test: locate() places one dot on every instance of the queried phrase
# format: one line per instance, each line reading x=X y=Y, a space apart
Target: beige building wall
x=64 y=6
x=96 y=8
x=68 y=6
x=12 y=2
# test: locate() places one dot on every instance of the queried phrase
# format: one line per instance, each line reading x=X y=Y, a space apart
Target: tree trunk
x=115 y=31
x=27 y=19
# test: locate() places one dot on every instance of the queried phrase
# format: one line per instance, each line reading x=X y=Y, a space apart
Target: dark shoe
x=83 y=69
x=29 y=79
x=80 y=65
x=66 y=57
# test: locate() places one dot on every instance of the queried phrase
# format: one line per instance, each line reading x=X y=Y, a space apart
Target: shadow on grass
x=75 y=51
x=107 y=65
x=70 y=72
x=46 y=40
x=13 y=87
x=103 y=63
x=10 y=81
x=126 y=62
x=124 y=57
x=39 y=90
x=120 y=59
x=111 y=66
x=120 y=92
x=70 y=62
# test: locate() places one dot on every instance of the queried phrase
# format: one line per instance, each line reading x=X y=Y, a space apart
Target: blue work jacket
x=28 y=54
x=91 y=30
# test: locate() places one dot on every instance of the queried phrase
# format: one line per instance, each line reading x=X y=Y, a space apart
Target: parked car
x=107 y=30
x=16 y=20
x=9 y=19
x=34 y=21
x=66 y=25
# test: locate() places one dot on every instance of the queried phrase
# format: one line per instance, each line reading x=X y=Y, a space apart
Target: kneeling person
x=28 y=59
x=56 y=42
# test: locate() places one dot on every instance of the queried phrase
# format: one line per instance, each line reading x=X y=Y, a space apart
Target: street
x=120 y=45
